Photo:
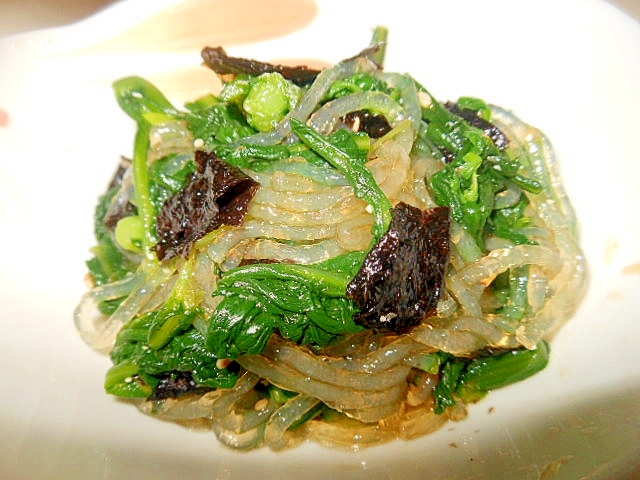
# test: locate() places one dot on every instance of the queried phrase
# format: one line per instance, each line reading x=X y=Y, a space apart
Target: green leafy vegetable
x=256 y=157
x=129 y=233
x=160 y=343
x=379 y=40
x=216 y=122
x=169 y=175
x=508 y=222
x=510 y=288
x=359 y=82
x=126 y=380
x=145 y=104
x=485 y=374
x=359 y=176
x=450 y=372
x=476 y=105
x=269 y=99
x=304 y=303
x=476 y=173
x=108 y=263
x=471 y=379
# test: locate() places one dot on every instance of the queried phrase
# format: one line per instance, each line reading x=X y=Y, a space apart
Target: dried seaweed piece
x=218 y=60
x=402 y=278
x=216 y=194
x=177 y=384
x=373 y=124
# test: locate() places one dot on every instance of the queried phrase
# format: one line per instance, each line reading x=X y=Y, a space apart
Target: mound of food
x=326 y=254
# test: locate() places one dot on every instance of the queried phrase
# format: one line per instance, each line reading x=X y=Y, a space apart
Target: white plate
x=571 y=68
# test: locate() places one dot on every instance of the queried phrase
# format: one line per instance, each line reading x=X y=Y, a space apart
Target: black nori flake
x=218 y=61
x=373 y=124
x=216 y=194
x=402 y=277
x=177 y=384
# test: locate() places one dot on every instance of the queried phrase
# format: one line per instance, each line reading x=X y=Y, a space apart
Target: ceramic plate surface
x=571 y=68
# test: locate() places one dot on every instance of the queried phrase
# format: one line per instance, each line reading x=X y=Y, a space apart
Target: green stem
x=379 y=39
x=359 y=176
x=146 y=209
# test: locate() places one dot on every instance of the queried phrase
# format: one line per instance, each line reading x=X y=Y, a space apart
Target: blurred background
x=23 y=15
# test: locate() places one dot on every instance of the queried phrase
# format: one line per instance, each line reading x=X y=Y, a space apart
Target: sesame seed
x=261 y=404
x=222 y=363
